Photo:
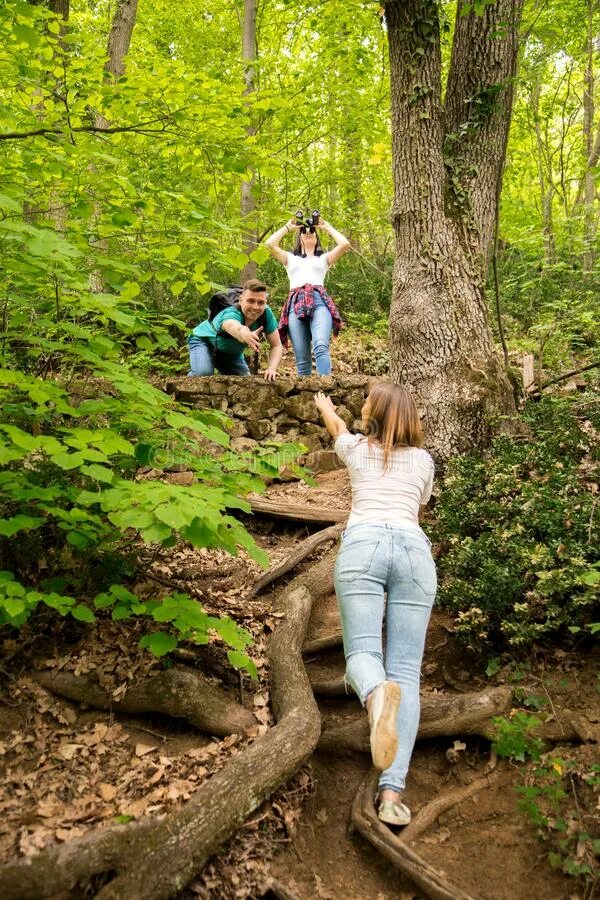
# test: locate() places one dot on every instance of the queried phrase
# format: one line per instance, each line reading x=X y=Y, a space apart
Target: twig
x=564 y=377
x=300 y=553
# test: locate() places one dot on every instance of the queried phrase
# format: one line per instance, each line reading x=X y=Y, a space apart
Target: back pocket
x=423 y=569
x=355 y=557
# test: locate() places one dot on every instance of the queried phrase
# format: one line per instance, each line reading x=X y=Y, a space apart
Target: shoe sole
x=394 y=820
x=384 y=736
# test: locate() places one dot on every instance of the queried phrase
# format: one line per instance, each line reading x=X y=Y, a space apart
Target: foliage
x=518 y=530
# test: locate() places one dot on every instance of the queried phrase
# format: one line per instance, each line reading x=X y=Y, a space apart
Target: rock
x=238 y=429
x=260 y=428
x=302 y=407
x=181 y=478
x=243 y=444
x=346 y=416
x=323 y=461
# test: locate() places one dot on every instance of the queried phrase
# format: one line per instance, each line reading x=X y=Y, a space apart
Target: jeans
x=201 y=361
x=319 y=329
x=372 y=559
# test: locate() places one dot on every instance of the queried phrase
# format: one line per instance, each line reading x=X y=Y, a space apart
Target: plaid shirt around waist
x=302 y=301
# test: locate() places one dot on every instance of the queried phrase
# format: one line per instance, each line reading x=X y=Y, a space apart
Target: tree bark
x=440 y=340
x=589 y=191
x=296 y=511
x=247 y=196
x=176 y=692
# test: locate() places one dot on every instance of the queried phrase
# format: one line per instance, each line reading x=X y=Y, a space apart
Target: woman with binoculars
x=309 y=313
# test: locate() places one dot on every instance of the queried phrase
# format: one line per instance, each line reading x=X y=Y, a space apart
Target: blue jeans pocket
x=423 y=569
x=355 y=557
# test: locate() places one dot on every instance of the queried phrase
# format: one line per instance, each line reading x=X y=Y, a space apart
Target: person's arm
x=242 y=333
x=275 y=354
x=334 y=425
x=272 y=243
x=342 y=242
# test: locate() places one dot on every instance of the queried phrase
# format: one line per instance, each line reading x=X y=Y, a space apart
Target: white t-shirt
x=306 y=269
x=392 y=497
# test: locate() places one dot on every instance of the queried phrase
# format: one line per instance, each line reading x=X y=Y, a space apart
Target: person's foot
x=383 y=713
x=394 y=813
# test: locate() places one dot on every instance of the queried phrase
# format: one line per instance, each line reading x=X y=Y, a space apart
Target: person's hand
x=323 y=402
x=322 y=224
x=292 y=224
x=251 y=338
x=270 y=374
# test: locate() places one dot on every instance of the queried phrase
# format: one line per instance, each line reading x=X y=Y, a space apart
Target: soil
x=68 y=770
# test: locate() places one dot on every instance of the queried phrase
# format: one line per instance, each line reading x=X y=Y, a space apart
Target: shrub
x=518 y=530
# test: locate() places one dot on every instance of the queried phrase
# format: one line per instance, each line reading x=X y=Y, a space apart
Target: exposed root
x=296 y=511
x=425 y=818
x=156 y=858
x=442 y=715
x=177 y=692
x=304 y=549
x=365 y=821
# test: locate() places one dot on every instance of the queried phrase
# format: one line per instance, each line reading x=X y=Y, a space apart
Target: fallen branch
x=364 y=819
x=153 y=859
x=176 y=692
x=296 y=511
x=442 y=715
x=304 y=549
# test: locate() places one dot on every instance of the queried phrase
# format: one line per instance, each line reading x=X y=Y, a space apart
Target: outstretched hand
x=252 y=338
x=323 y=402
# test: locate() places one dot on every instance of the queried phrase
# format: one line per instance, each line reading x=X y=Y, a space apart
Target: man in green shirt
x=219 y=344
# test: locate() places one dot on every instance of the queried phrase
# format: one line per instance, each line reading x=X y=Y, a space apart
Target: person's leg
x=200 y=359
x=228 y=364
x=299 y=331
x=411 y=592
x=320 y=326
x=360 y=598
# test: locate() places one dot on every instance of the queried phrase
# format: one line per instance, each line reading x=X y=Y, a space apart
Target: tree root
x=365 y=821
x=442 y=715
x=176 y=692
x=425 y=818
x=156 y=858
x=297 y=511
x=301 y=552
x=324 y=629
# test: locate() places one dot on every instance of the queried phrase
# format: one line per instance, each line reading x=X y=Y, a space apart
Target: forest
x=174 y=717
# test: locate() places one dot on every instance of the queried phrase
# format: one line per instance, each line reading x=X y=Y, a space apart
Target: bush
x=518 y=530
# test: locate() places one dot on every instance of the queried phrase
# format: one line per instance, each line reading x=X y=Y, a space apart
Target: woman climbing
x=383 y=549
x=309 y=313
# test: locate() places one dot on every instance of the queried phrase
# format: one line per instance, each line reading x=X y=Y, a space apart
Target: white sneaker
x=383 y=713
x=394 y=813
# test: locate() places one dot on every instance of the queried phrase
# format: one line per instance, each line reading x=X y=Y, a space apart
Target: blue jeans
x=319 y=329
x=201 y=361
x=372 y=559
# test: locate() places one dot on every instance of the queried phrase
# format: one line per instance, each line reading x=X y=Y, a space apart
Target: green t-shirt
x=225 y=342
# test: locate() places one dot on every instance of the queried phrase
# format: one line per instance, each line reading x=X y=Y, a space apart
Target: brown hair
x=298 y=250
x=394 y=420
x=254 y=285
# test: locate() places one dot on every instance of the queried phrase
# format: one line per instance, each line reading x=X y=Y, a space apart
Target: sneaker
x=383 y=713
x=394 y=813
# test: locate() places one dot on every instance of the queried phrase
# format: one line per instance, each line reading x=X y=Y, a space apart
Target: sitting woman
x=383 y=549
x=219 y=344
x=309 y=312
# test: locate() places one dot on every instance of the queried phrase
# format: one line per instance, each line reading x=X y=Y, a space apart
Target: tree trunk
x=588 y=145
x=247 y=200
x=544 y=180
x=441 y=344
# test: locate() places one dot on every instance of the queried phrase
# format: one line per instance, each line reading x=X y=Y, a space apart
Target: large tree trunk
x=441 y=344
x=247 y=198
x=589 y=191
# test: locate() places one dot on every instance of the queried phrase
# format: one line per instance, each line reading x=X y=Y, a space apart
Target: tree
x=447 y=164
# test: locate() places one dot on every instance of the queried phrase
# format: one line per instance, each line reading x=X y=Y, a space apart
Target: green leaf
x=241 y=661
x=83 y=613
x=20 y=522
x=159 y=643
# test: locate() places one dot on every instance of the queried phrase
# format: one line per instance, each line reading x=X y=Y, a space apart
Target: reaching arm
x=334 y=425
x=342 y=242
x=275 y=354
x=242 y=333
x=272 y=243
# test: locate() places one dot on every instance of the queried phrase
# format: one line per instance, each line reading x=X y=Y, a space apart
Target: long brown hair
x=394 y=420
x=298 y=250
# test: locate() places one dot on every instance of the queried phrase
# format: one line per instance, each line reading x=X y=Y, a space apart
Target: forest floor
x=68 y=770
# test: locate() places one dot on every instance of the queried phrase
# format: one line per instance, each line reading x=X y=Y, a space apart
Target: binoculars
x=308 y=222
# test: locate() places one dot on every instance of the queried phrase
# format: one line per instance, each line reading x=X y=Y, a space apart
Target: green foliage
x=518 y=528
x=550 y=799
x=514 y=738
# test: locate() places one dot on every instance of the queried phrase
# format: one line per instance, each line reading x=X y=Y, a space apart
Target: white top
x=392 y=497
x=306 y=269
